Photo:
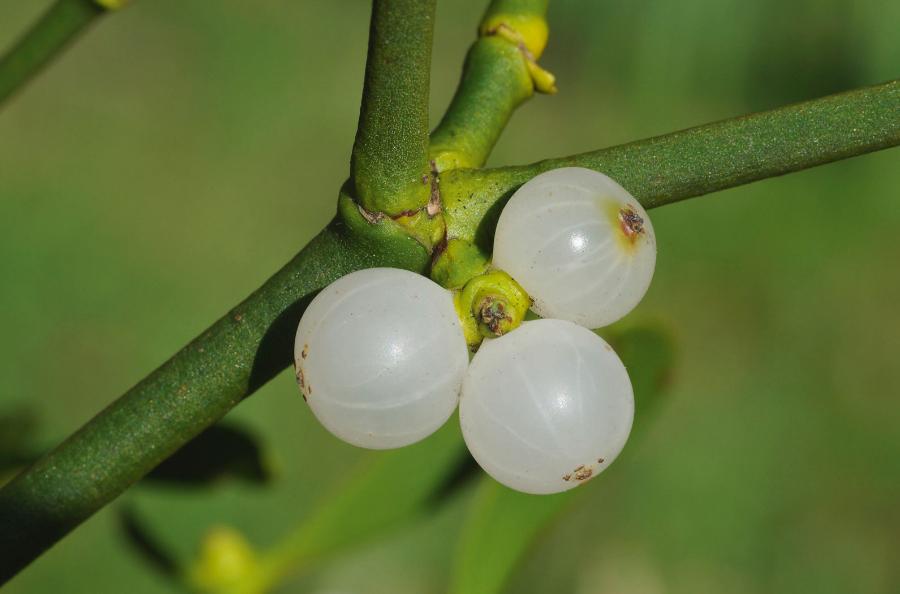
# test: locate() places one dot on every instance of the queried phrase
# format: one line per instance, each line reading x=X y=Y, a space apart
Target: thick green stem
x=495 y=81
x=699 y=160
x=389 y=165
x=55 y=29
x=197 y=386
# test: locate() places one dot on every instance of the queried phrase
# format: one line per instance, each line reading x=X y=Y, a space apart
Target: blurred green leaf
x=649 y=355
x=221 y=452
x=381 y=492
x=17 y=432
x=142 y=541
x=499 y=530
x=384 y=489
x=503 y=524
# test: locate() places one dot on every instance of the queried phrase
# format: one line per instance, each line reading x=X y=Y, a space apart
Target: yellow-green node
x=544 y=81
x=494 y=303
x=111 y=4
x=427 y=230
x=457 y=263
x=529 y=30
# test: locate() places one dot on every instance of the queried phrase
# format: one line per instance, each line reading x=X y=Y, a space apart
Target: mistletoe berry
x=579 y=243
x=380 y=357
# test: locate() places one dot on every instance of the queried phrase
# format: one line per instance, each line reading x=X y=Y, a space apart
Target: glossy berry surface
x=579 y=243
x=380 y=357
x=546 y=407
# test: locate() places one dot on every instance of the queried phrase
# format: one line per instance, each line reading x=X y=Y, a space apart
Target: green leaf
x=500 y=528
x=143 y=542
x=649 y=355
x=381 y=492
x=17 y=430
x=385 y=488
x=503 y=524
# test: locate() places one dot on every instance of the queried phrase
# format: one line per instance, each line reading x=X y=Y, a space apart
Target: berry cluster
x=382 y=360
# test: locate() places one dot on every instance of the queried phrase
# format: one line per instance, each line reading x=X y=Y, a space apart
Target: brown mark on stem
x=371 y=217
x=434 y=201
x=511 y=34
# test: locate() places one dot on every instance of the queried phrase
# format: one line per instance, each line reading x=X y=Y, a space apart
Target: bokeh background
x=180 y=152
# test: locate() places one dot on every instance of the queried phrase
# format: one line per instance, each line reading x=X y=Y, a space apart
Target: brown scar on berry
x=631 y=223
x=305 y=351
x=601 y=460
x=298 y=373
x=567 y=477
x=582 y=473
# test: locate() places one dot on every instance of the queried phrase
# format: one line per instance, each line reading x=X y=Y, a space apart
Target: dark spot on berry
x=305 y=389
x=305 y=351
x=583 y=473
x=631 y=223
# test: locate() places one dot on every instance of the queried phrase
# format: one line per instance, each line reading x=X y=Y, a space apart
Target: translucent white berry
x=380 y=357
x=579 y=243
x=546 y=407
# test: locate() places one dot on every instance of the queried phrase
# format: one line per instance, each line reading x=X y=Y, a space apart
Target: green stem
x=47 y=37
x=389 y=165
x=495 y=81
x=697 y=161
x=196 y=387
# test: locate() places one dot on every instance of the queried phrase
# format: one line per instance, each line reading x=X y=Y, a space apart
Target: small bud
x=225 y=559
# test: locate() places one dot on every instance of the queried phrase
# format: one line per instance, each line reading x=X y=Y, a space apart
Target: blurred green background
x=181 y=151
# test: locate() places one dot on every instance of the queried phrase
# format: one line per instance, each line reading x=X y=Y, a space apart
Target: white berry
x=380 y=357
x=579 y=243
x=546 y=407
